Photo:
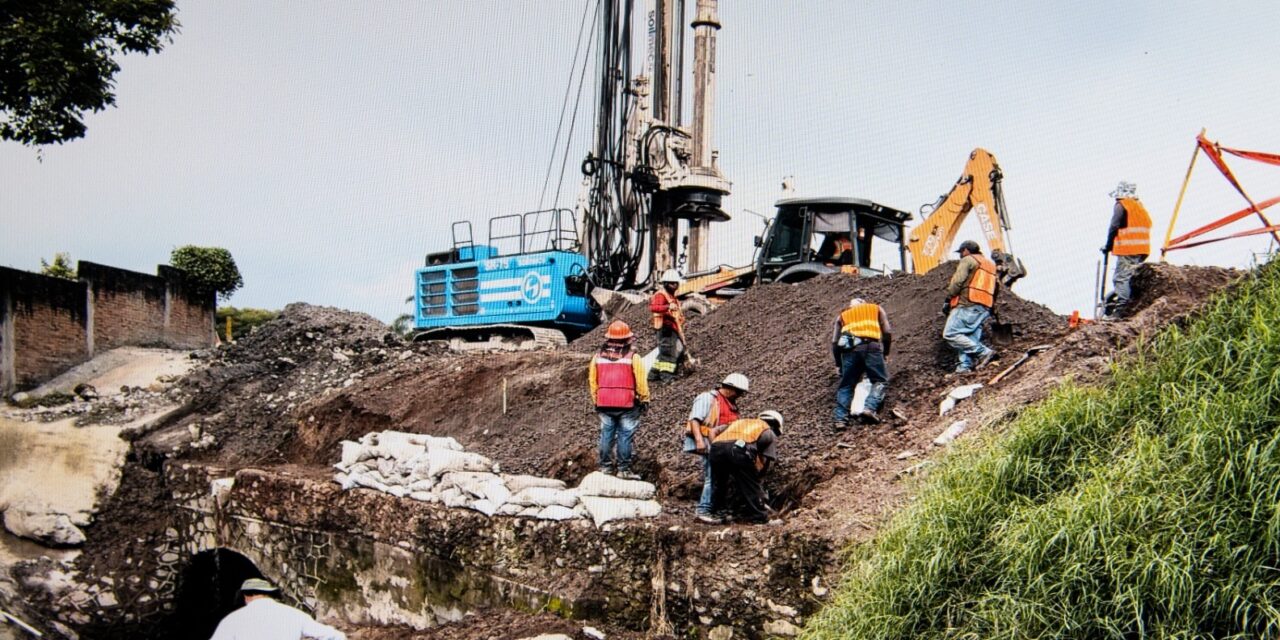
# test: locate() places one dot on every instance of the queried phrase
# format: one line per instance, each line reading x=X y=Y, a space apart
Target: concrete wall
x=48 y=325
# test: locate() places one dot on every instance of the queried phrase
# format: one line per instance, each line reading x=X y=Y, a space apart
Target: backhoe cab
x=812 y=236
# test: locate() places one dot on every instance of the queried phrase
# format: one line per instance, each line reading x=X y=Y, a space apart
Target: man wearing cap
x=970 y=296
x=860 y=342
x=740 y=456
x=668 y=321
x=1129 y=240
x=712 y=410
x=620 y=392
x=263 y=618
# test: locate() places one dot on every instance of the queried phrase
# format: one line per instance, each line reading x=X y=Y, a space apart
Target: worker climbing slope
x=971 y=295
x=712 y=410
x=1129 y=240
x=860 y=342
x=620 y=393
x=668 y=321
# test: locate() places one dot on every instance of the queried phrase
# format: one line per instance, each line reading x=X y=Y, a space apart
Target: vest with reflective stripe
x=747 y=430
x=862 y=320
x=982 y=283
x=615 y=383
x=666 y=311
x=1135 y=238
x=722 y=412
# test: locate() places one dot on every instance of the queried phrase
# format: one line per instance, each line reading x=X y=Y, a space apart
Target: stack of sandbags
x=434 y=469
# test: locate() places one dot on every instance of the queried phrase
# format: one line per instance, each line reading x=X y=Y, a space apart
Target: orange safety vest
x=722 y=412
x=666 y=311
x=747 y=430
x=982 y=283
x=615 y=382
x=1135 y=238
x=861 y=320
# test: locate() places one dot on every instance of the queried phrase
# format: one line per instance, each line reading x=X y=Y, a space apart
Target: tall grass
x=1146 y=509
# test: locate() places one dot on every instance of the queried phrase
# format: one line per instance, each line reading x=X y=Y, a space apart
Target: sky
x=330 y=145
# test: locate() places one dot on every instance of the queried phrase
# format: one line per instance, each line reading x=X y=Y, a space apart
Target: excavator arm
x=978 y=192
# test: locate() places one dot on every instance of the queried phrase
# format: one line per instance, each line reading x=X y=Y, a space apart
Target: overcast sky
x=329 y=145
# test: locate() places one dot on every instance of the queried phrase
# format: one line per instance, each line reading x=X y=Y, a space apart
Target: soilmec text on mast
x=525 y=288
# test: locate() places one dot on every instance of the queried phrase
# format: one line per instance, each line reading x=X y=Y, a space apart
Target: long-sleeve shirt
x=637 y=367
x=1119 y=220
x=959 y=285
x=266 y=619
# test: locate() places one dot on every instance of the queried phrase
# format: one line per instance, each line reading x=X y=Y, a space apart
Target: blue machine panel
x=533 y=288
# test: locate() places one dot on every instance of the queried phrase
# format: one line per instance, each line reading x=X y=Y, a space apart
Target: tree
x=60 y=268
x=58 y=60
x=209 y=270
x=243 y=321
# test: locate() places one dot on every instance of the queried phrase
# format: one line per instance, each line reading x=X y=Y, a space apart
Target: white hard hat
x=1125 y=190
x=856 y=301
x=670 y=275
x=737 y=381
x=772 y=416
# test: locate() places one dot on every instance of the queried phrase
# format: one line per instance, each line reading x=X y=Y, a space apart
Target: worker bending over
x=668 y=321
x=740 y=457
x=263 y=617
x=620 y=392
x=712 y=410
x=1129 y=240
x=970 y=296
x=860 y=342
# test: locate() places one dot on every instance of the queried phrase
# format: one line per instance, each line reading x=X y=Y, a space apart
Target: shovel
x=1009 y=369
x=690 y=362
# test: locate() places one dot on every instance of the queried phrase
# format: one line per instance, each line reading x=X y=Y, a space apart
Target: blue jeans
x=620 y=425
x=863 y=359
x=964 y=333
x=704 y=503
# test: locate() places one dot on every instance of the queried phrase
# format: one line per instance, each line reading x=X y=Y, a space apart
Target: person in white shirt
x=263 y=618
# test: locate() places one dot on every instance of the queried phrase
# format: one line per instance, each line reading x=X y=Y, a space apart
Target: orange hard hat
x=619 y=330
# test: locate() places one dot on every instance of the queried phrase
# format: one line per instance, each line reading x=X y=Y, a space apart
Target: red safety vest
x=723 y=411
x=666 y=311
x=1135 y=238
x=615 y=382
x=982 y=283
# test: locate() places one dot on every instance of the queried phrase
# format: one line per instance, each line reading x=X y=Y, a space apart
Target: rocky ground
x=287 y=395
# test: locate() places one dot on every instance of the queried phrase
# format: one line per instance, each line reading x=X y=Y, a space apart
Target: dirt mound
x=777 y=334
x=1184 y=287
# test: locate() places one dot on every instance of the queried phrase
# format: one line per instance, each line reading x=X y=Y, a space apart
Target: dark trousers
x=733 y=471
x=865 y=359
x=670 y=349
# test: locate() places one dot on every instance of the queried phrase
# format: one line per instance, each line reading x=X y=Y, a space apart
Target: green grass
x=1144 y=509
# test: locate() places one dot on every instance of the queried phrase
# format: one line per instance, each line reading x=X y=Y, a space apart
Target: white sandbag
x=557 y=512
x=964 y=391
x=442 y=461
x=518 y=483
x=473 y=483
x=398 y=492
x=530 y=512
x=483 y=506
x=545 y=497
x=496 y=491
x=434 y=443
x=368 y=481
x=600 y=484
x=510 y=509
x=352 y=452
x=948 y=403
x=604 y=510
x=426 y=484
x=360 y=467
x=454 y=497
x=386 y=467
x=424 y=496
x=344 y=481
x=952 y=432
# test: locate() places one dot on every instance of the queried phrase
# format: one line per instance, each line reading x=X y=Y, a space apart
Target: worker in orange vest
x=860 y=342
x=712 y=410
x=620 y=392
x=1129 y=240
x=740 y=457
x=668 y=321
x=970 y=296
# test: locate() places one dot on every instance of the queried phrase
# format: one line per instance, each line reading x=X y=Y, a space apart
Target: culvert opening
x=207 y=591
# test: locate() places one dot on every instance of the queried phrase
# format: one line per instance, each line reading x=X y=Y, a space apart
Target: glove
x=1105 y=250
x=946 y=308
x=644 y=407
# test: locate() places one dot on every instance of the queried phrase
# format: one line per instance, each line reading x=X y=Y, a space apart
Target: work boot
x=869 y=417
x=985 y=359
x=963 y=369
x=840 y=425
x=627 y=474
x=608 y=471
x=711 y=518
